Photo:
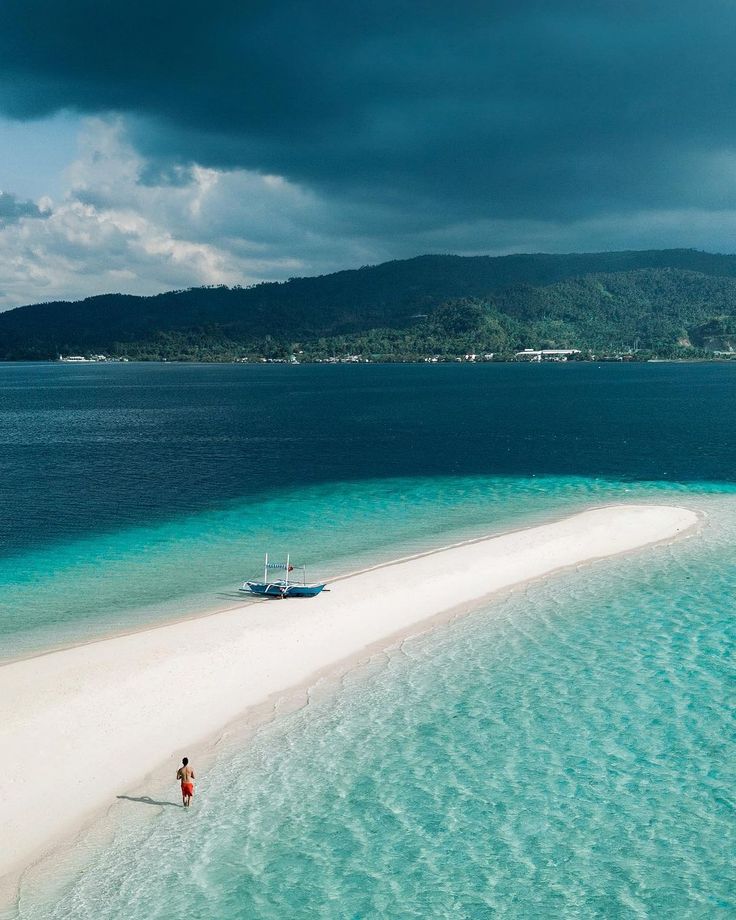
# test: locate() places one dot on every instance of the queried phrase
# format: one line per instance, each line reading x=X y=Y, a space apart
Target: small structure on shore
x=546 y=354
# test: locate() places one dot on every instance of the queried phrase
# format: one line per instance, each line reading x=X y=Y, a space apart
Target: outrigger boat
x=282 y=587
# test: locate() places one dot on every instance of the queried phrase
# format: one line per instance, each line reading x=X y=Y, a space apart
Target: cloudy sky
x=148 y=145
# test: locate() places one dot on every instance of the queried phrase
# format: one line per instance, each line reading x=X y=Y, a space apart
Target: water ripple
x=568 y=752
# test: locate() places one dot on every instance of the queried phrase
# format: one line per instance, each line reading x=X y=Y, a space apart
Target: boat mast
x=265 y=570
x=287 y=570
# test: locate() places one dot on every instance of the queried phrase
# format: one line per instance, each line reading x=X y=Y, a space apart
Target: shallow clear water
x=568 y=752
x=106 y=583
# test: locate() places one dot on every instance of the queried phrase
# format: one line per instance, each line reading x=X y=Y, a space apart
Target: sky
x=147 y=146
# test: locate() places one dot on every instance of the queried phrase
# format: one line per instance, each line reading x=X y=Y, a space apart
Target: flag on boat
x=279 y=565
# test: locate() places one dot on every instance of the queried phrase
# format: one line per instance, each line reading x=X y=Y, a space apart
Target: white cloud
x=117 y=230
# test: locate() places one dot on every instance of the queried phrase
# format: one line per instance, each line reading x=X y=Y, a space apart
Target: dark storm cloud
x=13 y=208
x=503 y=110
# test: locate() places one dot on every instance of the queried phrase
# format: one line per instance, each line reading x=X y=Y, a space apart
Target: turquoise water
x=566 y=752
x=107 y=583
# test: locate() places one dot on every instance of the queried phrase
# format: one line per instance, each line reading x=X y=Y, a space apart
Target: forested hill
x=663 y=301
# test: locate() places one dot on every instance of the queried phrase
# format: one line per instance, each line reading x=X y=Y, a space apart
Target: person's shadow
x=147 y=800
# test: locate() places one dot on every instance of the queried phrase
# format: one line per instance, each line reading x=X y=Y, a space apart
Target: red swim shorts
x=187 y=788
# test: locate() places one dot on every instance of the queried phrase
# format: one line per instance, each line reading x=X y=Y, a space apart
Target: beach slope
x=82 y=725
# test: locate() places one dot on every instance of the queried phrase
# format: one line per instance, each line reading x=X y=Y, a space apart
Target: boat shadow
x=243 y=598
x=147 y=800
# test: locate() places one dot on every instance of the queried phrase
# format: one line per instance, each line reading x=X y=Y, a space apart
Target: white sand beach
x=82 y=725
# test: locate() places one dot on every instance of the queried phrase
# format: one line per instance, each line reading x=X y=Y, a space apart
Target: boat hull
x=281 y=589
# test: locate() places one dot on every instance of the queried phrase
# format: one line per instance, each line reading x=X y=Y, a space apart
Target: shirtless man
x=186 y=774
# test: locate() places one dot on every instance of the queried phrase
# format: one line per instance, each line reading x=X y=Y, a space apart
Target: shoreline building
x=546 y=354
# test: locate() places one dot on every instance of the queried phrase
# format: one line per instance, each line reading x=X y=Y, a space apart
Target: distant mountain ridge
x=586 y=300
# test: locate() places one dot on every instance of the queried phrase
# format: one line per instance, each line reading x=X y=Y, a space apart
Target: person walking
x=186 y=775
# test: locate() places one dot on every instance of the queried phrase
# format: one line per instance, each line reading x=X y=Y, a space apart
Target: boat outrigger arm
x=281 y=587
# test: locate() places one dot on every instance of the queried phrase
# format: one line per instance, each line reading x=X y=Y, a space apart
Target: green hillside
x=668 y=302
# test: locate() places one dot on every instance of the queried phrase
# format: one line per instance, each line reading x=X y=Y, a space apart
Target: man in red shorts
x=186 y=774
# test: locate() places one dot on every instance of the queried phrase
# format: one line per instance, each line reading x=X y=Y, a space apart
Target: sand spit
x=82 y=725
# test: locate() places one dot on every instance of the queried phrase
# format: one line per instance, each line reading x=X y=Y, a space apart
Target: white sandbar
x=82 y=725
